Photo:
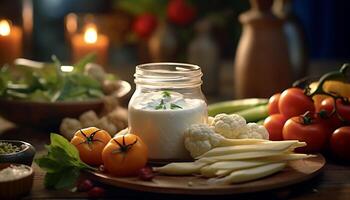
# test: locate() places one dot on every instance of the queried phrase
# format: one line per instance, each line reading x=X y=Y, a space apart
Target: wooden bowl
x=13 y=189
x=50 y=114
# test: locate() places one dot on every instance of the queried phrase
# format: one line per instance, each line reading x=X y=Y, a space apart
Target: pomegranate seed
x=85 y=185
x=146 y=174
x=96 y=192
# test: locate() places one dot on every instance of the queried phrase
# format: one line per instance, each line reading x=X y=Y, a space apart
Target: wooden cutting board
x=296 y=171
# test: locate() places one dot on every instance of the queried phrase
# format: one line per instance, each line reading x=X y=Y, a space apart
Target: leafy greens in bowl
x=50 y=82
x=42 y=94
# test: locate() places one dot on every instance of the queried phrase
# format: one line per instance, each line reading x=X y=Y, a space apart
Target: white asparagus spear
x=240 y=156
x=248 y=174
x=223 y=168
x=180 y=168
x=265 y=146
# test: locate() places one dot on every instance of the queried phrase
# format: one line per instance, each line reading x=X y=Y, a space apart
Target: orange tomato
x=125 y=155
x=90 y=143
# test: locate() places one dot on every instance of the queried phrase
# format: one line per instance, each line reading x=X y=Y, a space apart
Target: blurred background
x=235 y=42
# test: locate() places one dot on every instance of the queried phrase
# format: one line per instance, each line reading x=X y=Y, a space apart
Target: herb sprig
x=162 y=106
x=62 y=163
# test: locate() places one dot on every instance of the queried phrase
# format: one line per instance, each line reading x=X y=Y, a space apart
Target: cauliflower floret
x=228 y=126
x=210 y=120
x=88 y=119
x=69 y=126
x=106 y=125
x=200 y=138
x=253 y=130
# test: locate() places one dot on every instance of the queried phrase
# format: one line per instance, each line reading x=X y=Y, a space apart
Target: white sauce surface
x=13 y=172
x=162 y=127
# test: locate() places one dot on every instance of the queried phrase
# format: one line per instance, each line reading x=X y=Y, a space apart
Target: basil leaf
x=59 y=141
x=68 y=178
x=49 y=165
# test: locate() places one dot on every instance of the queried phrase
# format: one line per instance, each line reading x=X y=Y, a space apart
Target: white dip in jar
x=161 y=113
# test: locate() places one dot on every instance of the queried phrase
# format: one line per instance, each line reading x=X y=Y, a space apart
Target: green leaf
x=49 y=165
x=174 y=106
x=166 y=94
x=62 y=163
x=80 y=65
x=60 y=141
x=68 y=178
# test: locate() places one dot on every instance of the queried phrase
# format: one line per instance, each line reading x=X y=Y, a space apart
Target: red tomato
x=327 y=106
x=274 y=125
x=340 y=143
x=315 y=134
x=294 y=102
x=343 y=107
x=180 y=12
x=144 y=25
x=272 y=106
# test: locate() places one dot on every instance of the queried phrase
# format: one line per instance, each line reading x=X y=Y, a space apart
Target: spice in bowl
x=7 y=148
x=14 y=172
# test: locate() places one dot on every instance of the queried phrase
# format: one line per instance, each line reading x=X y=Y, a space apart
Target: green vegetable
x=261 y=122
x=229 y=107
x=254 y=114
x=62 y=163
x=48 y=83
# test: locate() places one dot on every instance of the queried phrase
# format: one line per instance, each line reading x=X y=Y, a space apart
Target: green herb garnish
x=62 y=163
x=166 y=94
x=174 y=106
x=161 y=105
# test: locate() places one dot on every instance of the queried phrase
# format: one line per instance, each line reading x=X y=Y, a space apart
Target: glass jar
x=167 y=100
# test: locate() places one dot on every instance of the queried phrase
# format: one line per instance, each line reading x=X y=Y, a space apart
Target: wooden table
x=332 y=183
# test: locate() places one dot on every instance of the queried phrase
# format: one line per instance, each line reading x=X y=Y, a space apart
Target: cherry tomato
x=144 y=25
x=125 y=155
x=343 y=107
x=327 y=106
x=274 y=125
x=272 y=106
x=340 y=143
x=90 y=143
x=181 y=12
x=306 y=130
x=294 y=102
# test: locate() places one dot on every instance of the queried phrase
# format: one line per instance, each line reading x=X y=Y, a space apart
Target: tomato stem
x=89 y=140
x=307 y=118
x=124 y=147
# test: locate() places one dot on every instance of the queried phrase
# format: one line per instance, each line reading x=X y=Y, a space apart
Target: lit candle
x=10 y=42
x=90 y=41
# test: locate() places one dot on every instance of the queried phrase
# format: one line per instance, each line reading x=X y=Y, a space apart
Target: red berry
x=96 y=192
x=144 y=25
x=146 y=174
x=85 y=185
x=180 y=12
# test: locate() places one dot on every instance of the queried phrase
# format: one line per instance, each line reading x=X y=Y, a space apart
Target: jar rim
x=181 y=66
x=168 y=74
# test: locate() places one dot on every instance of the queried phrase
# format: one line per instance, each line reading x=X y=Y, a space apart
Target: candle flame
x=90 y=35
x=5 y=28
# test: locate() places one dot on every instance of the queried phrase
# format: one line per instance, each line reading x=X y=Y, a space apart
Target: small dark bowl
x=25 y=156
